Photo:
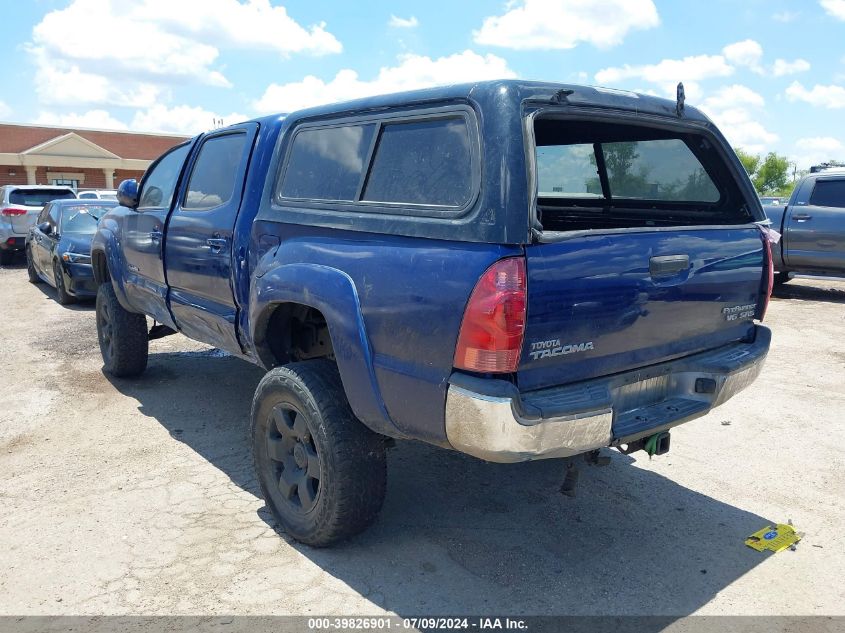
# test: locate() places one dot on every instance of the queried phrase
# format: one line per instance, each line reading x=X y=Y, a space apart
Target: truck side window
x=160 y=183
x=422 y=162
x=212 y=181
x=327 y=163
x=829 y=193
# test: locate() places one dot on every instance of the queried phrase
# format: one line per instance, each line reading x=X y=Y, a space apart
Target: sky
x=770 y=73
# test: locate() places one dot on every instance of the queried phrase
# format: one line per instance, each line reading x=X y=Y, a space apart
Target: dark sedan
x=58 y=247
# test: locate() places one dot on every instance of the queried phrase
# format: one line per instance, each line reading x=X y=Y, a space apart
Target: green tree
x=770 y=174
x=619 y=158
x=750 y=161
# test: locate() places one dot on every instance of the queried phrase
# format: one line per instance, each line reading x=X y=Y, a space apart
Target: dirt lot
x=138 y=496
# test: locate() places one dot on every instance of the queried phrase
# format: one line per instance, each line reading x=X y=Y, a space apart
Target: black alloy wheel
x=62 y=295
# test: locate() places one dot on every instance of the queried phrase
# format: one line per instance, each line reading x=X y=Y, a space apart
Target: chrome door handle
x=664 y=265
x=802 y=216
x=216 y=243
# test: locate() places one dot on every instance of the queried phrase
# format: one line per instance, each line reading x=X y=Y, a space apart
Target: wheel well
x=296 y=332
x=101 y=267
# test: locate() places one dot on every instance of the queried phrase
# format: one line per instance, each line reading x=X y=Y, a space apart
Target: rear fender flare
x=333 y=293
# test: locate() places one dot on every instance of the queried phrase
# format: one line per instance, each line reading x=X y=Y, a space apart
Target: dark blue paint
x=598 y=289
x=393 y=287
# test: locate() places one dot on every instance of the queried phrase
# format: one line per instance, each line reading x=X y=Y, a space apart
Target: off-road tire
x=350 y=458
x=30 y=268
x=122 y=335
x=62 y=295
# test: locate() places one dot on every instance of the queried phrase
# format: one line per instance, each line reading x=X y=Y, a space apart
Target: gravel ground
x=138 y=497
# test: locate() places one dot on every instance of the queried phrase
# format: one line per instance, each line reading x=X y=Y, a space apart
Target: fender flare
x=333 y=293
x=105 y=242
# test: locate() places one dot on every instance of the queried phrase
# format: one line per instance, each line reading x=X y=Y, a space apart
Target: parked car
x=19 y=206
x=97 y=194
x=59 y=245
x=812 y=227
x=774 y=201
x=513 y=270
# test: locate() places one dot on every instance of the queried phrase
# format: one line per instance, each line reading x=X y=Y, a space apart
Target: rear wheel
x=62 y=295
x=7 y=257
x=30 y=268
x=122 y=335
x=781 y=278
x=323 y=474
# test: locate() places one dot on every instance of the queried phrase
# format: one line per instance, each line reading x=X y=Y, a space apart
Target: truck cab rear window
x=592 y=174
x=422 y=161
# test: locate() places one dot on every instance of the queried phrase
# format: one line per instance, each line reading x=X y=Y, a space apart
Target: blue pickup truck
x=513 y=270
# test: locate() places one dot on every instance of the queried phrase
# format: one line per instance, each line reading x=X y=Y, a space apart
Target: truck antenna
x=681 y=97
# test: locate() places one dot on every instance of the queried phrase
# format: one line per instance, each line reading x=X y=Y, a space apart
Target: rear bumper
x=489 y=419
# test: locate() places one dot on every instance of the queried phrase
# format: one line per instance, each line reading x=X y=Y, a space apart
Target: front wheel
x=62 y=295
x=781 y=278
x=30 y=268
x=322 y=473
x=122 y=335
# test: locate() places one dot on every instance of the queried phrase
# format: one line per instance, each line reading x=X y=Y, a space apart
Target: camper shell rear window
x=597 y=173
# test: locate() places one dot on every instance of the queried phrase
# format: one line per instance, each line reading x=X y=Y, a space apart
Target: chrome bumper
x=565 y=421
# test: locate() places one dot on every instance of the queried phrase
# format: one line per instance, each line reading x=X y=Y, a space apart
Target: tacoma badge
x=547 y=349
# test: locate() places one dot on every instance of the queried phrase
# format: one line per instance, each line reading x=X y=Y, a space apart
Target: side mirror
x=45 y=228
x=127 y=193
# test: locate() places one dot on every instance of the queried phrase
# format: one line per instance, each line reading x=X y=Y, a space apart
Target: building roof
x=16 y=138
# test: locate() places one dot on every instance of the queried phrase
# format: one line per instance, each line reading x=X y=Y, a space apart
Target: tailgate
x=603 y=304
x=22 y=223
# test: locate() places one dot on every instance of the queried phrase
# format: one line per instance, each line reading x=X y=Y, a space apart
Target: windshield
x=82 y=219
x=39 y=197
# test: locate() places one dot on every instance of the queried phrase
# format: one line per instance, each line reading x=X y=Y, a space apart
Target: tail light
x=10 y=211
x=769 y=278
x=494 y=320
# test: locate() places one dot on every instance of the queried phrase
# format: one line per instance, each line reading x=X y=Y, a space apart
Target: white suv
x=19 y=208
x=97 y=194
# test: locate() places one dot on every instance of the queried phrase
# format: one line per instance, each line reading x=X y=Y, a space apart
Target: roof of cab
x=498 y=92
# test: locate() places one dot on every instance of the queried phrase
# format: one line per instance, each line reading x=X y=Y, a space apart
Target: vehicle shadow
x=461 y=536
x=18 y=263
x=804 y=292
x=85 y=304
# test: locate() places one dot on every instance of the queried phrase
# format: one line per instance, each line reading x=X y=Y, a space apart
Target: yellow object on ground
x=774 y=538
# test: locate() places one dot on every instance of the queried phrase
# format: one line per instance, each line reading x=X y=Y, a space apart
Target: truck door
x=198 y=252
x=815 y=230
x=144 y=281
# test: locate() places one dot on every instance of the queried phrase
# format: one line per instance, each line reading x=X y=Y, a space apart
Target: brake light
x=770 y=276
x=10 y=211
x=494 y=320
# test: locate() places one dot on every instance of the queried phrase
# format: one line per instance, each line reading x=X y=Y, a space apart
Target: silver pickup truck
x=812 y=225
